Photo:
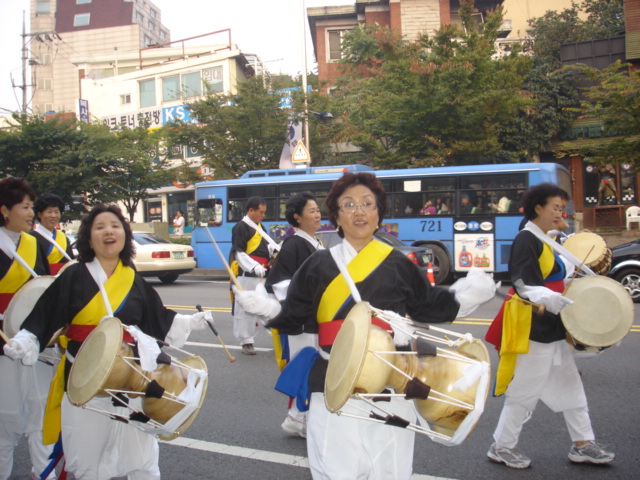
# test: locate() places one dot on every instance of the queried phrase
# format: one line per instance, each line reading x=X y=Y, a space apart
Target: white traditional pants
x=548 y=373
x=22 y=401
x=98 y=448
x=245 y=325
x=343 y=448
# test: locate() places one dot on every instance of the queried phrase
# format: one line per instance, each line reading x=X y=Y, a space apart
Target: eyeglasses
x=351 y=207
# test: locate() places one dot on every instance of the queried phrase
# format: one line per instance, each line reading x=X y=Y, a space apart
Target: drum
x=601 y=314
x=106 y=366
x=448 y=385
x=592 y=250
x=23 y=302
x=20 y=307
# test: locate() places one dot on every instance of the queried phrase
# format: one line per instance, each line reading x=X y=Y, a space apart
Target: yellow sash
x=252 y=245
x=337 y=293
x=516 y=327
x=17 y=276
x=117 y=287
x=56 y=255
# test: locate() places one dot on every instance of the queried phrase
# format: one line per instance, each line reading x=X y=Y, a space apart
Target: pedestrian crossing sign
x=300 y=154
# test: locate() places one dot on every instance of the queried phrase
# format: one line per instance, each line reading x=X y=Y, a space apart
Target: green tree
x=614 y=99
x=236 y=133
x=77 y=160
x=436 y=101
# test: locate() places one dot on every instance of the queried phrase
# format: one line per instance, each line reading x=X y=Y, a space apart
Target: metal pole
x=24 y=64
x=304 y=79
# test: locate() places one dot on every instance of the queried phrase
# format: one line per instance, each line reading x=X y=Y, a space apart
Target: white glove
x=258 y=302
x=260 y=271
x=272 y=249
x=553 y=301
x=199 y=320
x=401 y=329
x=183 y=325
x=25 y=346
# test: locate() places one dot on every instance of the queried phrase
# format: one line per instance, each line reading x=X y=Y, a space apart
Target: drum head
x=94 y=361
x=347 y=357
x=23 y=302
x=602 y=311
x=196 y=363
x=588 y=247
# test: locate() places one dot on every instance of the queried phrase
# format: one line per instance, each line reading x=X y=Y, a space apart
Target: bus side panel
x=508 y=229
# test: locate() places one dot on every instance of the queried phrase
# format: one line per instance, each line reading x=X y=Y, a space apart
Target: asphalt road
x=237 y=433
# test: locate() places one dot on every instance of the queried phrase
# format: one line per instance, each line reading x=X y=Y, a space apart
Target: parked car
x=625 y=267
x=157 y=257
x=421 y=256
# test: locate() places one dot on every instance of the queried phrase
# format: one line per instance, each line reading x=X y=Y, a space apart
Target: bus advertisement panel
x=467 y=215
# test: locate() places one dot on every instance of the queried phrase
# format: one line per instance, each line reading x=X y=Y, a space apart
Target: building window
x=139 y=18
x=45 y=59
x=171 y=88
x=334 y=39
x=213 y=79
x=153 y=13
x=163 y=35
x=44 y=84
x=43 y=6
x=125 y=99
x=147 y=93
x=191 y=85
x=81 y=19
x=152 y=27
x=147 y=41
x=81 y=2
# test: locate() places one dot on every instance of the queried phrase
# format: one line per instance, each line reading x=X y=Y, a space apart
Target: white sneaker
x=294 y=426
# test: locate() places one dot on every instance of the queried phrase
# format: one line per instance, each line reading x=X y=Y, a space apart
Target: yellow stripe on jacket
x=117 y=286
x=17 y=275
x=363 y=264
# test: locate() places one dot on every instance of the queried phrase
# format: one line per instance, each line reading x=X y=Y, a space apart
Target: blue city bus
x=472 y=220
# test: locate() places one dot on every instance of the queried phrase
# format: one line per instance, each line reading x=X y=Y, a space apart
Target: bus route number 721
x=431 y=225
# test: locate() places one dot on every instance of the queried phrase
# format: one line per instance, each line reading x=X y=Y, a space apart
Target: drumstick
x=575 y=274
x=539 y=309
x=6 y=339
x=215 y=332
x=224 y=261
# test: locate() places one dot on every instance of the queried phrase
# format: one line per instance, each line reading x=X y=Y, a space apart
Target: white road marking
x=261 y=455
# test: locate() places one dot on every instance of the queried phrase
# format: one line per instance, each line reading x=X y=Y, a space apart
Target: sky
x=269 y=28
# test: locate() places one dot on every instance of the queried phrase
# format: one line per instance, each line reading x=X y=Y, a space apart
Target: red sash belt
x=79 y=333
x=5 y=298
x=328 y=331
x=54 y=268
x=261 y=260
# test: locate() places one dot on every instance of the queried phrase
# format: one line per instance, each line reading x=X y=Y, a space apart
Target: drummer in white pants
x=539 y=366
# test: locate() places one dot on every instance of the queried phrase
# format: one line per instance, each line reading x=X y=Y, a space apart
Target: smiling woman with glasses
x=318 y=299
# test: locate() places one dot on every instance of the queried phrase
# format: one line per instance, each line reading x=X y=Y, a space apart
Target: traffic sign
x=300 y=154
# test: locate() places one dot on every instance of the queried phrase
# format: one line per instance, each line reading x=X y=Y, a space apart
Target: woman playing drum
x=24 y=393
x=95 y=446
x=341 y=447
x=48 y=210
x=535 y=360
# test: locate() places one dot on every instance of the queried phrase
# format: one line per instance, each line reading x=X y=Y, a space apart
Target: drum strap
x=363 y=264
x=24 y=260
x=328 y=331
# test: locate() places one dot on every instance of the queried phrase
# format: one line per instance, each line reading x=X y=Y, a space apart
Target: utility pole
x=24 y=64
x=25 y=57
x=304 y=79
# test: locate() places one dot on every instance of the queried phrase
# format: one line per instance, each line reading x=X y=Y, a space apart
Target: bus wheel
x=441 y=264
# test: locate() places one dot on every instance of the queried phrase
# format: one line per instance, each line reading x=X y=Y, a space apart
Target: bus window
x=209 y=212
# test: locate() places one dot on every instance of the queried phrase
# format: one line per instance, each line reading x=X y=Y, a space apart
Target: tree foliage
x=77 y=160
x=236 y=132
x=437 y=101
x=614 y=99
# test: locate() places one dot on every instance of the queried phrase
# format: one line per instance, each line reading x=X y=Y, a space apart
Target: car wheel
x=169 y=278
x=629 y=278
x=441 y=265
